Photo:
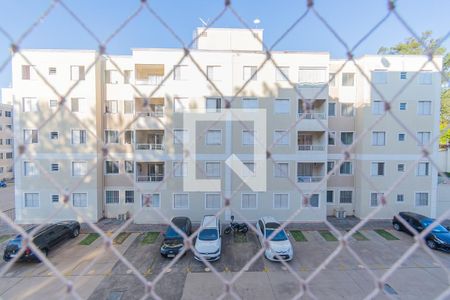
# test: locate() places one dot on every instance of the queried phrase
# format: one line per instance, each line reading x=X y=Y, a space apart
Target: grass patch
x=121 y=238
x=386 y=235
x=150 y=237
x=298 y=236
x=359 y=236
x=328 y=236
x=240 y=237
x=89 y=239
x=4 y=238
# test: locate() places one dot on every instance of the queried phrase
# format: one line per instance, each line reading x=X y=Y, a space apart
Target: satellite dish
x=256 y=21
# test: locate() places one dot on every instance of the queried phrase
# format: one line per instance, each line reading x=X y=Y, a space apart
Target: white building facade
x=143 y=173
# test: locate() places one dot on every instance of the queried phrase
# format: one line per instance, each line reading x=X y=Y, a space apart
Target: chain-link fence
x=145 y=7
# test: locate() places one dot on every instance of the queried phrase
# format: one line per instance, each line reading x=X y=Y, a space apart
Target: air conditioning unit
x=341 y=214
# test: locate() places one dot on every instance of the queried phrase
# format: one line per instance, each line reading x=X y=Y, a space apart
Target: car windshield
x=280 y=236
x=172 y=234
x=436 y=228
x=209 y=234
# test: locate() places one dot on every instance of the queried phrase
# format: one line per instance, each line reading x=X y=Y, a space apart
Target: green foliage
x=89 y=239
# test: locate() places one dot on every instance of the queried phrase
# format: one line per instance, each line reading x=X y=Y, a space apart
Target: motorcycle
x=236 y=227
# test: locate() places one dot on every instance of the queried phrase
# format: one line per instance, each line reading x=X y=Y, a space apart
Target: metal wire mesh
x=144 y=7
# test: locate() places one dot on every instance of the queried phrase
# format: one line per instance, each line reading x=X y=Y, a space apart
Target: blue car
x=2 y=184
x=438 y=238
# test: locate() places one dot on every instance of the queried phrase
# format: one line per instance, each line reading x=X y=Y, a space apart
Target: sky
x=352 y=19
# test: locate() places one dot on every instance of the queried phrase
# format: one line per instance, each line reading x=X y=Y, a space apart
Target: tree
x=411 y=46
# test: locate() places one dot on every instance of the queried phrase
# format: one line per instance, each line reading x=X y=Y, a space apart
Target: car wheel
x=431 y=244
x=396 y=226
x=76 y=232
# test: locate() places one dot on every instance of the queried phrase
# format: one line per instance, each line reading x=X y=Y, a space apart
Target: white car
x=280 y=248
x=209 y=240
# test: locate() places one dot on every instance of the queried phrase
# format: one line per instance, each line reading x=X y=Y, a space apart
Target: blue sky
x=352 y=19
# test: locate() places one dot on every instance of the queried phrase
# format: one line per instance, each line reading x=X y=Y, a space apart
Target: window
x=423 y=137
x=281 y=137
x=249 y=103
x=330 y=166
x=281 y=201
x=30 y=136
x=52 y=71
x=213 y=104
x=425 y=78
x=332 y=79
x=332 y=109
x=421 y=199
x=281 y=170
x=346 y=138
x=312 y=75
x=331 y=138
x=54 y=135
x=212 y=201
x=348 y=79
x=30 y=169
x=77 y=73
x=112 y=197
x=346 y=168
x=112 y=76
x=79 y=199
x=126 y=76
x=111 y=136
x=423 y=169
x=377 y=169
x=54 y=167
x=180 y=136
x=248 y=137
x=281 y=106
x=378 y=138
x=129 y=137
x=180 y=72
x=401 y=137
x=330 y=196
x=79 y=136
x=347 y=110
x=249 y=73
x=179 y=169
x=213 y=72
x=180 y=201
x=379 y=77
x=248 y=201
x=424 y=108
x=377 y=107
x=55 y=198
x=282 y=73
x=111 y=167
x=180 y=104
x=214 y=137
x=212 y=169
x=30 y=104
x=53 y=104
x=111 y=107
x=400 y=198
x=79 y=105
x=248 y=169
x=28 y=72
x=401 y=167
x=345 y=197
x=375 y=199
x=128 y=106
x=402 y=105
x=79 y=168
x=129 y=196
x=31 y=199
x=403 y=75
x=313 y=200
x=8 y=155
x=129 y=166
x=151 y=200
x=8 y=114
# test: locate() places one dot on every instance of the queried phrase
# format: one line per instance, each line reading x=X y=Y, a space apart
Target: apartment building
x=6 y=136
x=144 y=169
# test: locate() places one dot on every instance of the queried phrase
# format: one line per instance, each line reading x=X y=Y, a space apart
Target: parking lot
x=419 y=277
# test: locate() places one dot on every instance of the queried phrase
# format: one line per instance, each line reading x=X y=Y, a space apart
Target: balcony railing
x=308 y=179
x=311 y=148
x=151 y=178
x=156 y=114
x=149 y=147
x=151 y=80
x=312 y=116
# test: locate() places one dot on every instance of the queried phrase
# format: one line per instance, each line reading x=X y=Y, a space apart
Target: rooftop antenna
x=256 y=22
x=203 y=22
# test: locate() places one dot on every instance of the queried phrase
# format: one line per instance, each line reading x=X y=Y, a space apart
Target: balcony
x=148 y=140
x=149 y=171
x=149 y=74
x=310 y=112
x=310 y=172
x=311 y=141
x=153 y=107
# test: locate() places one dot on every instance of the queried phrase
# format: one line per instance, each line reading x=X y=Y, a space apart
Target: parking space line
x=304 y=269
x=266 y=269
x=149 y=271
